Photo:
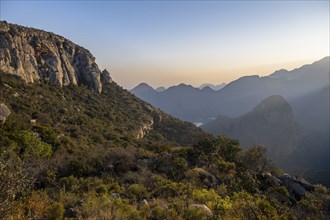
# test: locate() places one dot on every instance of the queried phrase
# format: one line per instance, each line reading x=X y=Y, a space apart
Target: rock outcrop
x=145 y=128
x=4 y=113
x=105 y=77
x=37 y=55
x=296 y=186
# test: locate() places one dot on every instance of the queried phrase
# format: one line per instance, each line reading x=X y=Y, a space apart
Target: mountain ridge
x=242 y=95
x=271 y=123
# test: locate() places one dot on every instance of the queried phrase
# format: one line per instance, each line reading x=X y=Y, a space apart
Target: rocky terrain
x=36 y=55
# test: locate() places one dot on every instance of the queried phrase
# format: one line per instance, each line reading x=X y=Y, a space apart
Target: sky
x=166 y=43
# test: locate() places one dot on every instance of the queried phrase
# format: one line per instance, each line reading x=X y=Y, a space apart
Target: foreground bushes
x=70 y=153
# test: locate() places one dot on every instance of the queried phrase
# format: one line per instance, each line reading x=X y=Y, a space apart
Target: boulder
x=203 y=207
x=296 y=185
x=4 y=113
x=145 y=128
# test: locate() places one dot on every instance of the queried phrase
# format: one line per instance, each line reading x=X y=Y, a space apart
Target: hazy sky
x=168 y=42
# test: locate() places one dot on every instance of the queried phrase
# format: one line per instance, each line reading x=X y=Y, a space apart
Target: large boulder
x=4 y=113
x=296 y=185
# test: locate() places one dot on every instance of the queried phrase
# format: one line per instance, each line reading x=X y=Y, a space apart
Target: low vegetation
x=71 y=153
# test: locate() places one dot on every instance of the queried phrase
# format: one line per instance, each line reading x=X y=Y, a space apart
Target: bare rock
x=296 y=185
x=36 y=55
x=145 y=128
x=203 y=207
x=105 y=77
x=145 y=202
x=4 y=113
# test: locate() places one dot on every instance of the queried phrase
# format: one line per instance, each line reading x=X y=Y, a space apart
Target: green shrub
x=137 y=191
x=101 y=190
x=55 y=211
x=30 y=146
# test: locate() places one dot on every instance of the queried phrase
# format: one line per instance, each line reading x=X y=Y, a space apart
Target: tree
x=16 y=180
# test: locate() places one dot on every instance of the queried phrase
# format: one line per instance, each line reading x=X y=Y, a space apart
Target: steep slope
x=312 y=110
x=113 y=115
x=69 y=152
x=36 y=55
x=270 y=123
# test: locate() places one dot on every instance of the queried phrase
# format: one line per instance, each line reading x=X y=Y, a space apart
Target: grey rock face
x=4 y=113
x=38 y=55
x=105 y=77
x=296 y=186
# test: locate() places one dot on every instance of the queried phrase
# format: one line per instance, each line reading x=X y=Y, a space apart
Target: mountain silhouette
x=214 y=87
x=271 y=124
x=239 y=96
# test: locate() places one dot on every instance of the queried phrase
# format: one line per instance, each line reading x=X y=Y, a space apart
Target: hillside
x=312 y=110
x=270 y=123
x=74 y=152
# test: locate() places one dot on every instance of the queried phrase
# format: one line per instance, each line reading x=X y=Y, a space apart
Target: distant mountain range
x=145 y=88
x=238 y=97
x=294 y=129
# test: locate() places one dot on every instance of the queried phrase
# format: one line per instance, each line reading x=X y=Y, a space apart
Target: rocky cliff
x=37 y=55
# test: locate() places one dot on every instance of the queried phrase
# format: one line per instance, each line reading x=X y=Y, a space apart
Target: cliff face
x=38 y=55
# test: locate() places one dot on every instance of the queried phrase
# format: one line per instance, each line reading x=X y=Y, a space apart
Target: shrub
x=55 y=211
x=137 y=191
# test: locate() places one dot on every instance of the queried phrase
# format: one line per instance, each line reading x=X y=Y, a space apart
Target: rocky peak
x=105 y=77
x=36 y=55
x=274 y=103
